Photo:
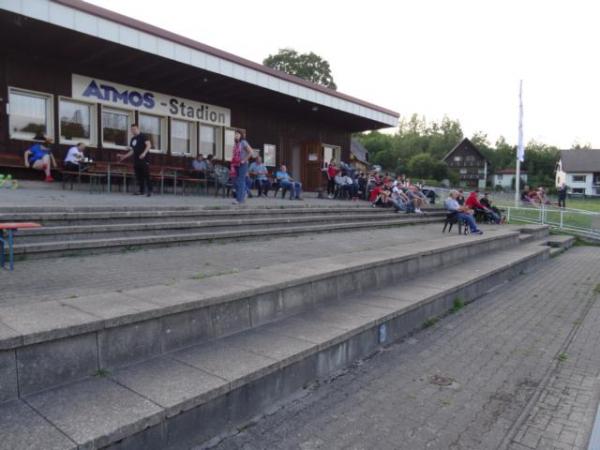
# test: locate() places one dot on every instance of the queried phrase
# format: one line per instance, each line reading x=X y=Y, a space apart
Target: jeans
x=263 y=186
x=294 y=186
x=468 y=219
x=142 y=175
x=330 y=186
x=240 y=183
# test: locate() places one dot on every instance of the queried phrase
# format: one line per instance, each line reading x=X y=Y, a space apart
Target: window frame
x=193 y=137
x=573 y=180
x=164 y=131
x=92 y=141
x=130 y=114
x=218 y=139
x=24 y=136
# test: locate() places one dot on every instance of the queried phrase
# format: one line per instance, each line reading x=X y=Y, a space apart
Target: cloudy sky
x=459 y=58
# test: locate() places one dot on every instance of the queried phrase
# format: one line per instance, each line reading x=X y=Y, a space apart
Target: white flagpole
x=520 y=147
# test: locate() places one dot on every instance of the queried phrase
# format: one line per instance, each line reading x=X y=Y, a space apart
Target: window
x=269 y=155
x=115 y=127
x=579 y=178
x=457 y=159
x=182 y=137
x=499 y=177
x=208 y=140
x=76 y=121
x=579 y=191
x=470 y=159
x=463 y=171
x=154 y=128
x=30 y=114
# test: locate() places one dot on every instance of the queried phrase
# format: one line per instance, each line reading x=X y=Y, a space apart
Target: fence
x=578 y=221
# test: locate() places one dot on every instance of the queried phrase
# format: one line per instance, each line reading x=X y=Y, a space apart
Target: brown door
x=312 y=158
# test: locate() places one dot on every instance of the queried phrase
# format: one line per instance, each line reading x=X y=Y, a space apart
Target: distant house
x=359 y=156
x=580 y=171
x=505 y=178
x=469 y=163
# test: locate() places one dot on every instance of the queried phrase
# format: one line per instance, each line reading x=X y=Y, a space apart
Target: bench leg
x=1 y=249
x=11 y=255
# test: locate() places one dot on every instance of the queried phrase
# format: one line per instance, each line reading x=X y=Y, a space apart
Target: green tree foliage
x=308 y=66
x=418 y=146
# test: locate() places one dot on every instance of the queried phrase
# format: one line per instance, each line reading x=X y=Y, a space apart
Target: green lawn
x=588 y=205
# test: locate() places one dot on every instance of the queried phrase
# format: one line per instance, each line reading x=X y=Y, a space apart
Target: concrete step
x=562 y=241
x=79 y=245
x=78 y=232
x=102 y=216
x=64 y=340
x=189 y=395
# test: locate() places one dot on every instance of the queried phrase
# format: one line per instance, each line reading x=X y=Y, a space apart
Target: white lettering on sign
x=121 y=96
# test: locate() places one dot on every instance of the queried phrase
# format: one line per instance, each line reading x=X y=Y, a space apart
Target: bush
x=498 y=188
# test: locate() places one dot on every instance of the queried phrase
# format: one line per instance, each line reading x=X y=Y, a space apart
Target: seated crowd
x=400 y=194
x=536 y=197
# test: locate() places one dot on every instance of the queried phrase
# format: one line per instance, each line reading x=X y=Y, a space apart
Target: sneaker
x=138 y=193
x=477 y=232
x=418 y=211
x=330 y=196
x=49 y=179
x=149 y=194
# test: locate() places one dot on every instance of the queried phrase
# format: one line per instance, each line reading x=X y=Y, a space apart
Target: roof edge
x=107 y=14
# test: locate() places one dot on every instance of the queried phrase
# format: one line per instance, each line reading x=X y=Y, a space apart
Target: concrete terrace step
x=125 y=229
x=71 y=246
x=189 y=395
x=102 y=215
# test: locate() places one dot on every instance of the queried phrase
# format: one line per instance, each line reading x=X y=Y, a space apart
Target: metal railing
x=577 y=221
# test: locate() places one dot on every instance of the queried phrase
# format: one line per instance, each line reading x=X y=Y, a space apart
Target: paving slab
x=96 y=412
x=48 y=320
x=171 y=384
x=22 y=428
x=225 y=361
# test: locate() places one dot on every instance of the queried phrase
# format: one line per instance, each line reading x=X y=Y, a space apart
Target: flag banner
x=520 y=146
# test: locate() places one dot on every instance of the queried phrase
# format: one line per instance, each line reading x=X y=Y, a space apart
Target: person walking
x=242 y=152
x=139 y=147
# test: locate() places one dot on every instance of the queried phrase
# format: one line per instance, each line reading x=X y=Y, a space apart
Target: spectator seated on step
x=288 y=183
x=463 y=213
x=473 y=203
x=260 y=176
x=39 y=156
x=416 y=197
x=400 y=200
x=74 y=161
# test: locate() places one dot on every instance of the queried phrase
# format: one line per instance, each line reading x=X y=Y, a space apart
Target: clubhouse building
x=81 y=73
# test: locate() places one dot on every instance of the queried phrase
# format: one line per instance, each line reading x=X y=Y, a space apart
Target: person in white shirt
x=74 y=157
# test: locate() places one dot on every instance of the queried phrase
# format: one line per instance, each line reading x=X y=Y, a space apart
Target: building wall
x=287 y=131
x=506 y=180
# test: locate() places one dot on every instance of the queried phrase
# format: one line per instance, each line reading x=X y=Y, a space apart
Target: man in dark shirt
x=562 y=195
x=139 y=147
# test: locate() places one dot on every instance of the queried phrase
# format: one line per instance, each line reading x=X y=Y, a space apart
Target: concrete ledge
x=222 y=384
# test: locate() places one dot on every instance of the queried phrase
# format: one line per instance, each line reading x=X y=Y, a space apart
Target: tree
x=308 y=66
x=421 y=165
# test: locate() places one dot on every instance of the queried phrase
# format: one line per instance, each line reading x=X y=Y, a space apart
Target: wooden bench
x=10 y=228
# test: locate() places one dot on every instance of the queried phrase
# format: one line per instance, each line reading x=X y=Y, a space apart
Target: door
x=312 y=158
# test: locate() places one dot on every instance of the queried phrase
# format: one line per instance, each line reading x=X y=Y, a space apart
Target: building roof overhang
x=99 y=37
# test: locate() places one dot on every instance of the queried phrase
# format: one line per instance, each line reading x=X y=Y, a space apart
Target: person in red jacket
x=473 y=203
x=331 y=173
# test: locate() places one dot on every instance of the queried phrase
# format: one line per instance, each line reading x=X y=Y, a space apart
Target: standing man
x=139 y=147
x=562 y=196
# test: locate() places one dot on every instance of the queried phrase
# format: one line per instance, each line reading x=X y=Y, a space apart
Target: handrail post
x=561 y=218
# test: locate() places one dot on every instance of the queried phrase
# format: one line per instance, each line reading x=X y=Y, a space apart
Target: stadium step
x=164 y=367
x=72 y=233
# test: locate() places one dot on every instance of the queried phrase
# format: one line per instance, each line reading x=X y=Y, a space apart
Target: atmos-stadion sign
x=121 y=96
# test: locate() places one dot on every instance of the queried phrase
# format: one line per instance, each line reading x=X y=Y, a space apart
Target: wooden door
x=312 y=159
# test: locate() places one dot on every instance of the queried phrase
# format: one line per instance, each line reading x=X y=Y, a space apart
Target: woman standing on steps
x=242 y=152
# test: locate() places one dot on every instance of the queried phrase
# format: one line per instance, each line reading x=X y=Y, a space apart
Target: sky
x=461 y=58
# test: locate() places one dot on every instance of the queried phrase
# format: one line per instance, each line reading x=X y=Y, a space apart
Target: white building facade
x=580 y=171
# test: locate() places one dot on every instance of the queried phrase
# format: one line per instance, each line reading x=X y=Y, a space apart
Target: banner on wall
x=121 y=96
